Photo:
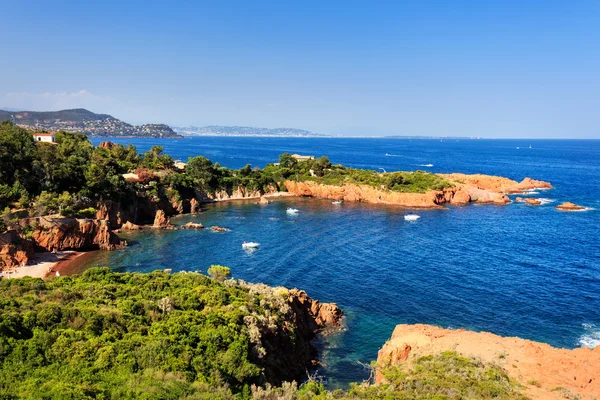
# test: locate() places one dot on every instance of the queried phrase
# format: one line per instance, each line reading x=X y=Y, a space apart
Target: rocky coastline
x=481 y=189
x=544 y=371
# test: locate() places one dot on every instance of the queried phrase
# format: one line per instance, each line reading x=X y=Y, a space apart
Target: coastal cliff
x=55 y=233
x=14 y=250
x=545 y=371
x=483 y=189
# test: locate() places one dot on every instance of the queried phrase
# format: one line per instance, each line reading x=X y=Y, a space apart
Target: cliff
x=282 y=342
x=14 y=250
x=483 y=189
x=545 y=371
x=54 y=233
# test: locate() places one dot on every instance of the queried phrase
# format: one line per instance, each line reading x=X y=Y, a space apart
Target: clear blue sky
x=468 y=68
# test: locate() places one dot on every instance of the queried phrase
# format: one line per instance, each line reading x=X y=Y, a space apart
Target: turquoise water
x=515 y=270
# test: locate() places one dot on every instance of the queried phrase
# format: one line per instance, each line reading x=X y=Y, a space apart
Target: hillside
x=83 y=121
x=217 y=130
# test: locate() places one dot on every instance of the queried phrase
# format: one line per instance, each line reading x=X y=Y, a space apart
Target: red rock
x=129 y=226
x=568 y=206
x=75 y=234
x=194 y=206
x=162 y=221
x=523 y=360
x=192 y=225
x=14 y=250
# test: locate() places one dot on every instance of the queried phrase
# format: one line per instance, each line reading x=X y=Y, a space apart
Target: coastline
x=46 y=264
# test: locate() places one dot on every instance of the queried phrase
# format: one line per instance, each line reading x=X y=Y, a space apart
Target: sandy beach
x=43 y=264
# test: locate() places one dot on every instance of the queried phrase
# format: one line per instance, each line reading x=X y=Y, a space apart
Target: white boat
x=250 y=245
x=291 y=211
x=337 y=202
x=411 y=217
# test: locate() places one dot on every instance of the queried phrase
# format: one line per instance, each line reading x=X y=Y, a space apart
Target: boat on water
x=411 y=217
x=291 y=211
x=337 y=202
x=250 y=245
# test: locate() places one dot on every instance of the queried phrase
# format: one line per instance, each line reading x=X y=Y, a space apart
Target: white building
x=44 y=137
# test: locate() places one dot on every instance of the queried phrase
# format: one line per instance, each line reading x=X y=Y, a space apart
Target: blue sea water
x=515 y=270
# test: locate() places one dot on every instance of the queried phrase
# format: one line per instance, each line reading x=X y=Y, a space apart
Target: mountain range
x=84 y=121
x=218 y=130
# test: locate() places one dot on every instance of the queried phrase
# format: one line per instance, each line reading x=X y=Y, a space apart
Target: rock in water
x=194 y=206
x=192 y=225
x=129 y=226
x=568 y=206
x=162 y=221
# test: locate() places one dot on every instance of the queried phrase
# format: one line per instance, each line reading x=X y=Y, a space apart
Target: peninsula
x=83 y=121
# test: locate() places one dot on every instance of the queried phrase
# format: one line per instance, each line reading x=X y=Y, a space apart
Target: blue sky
x=464 y=68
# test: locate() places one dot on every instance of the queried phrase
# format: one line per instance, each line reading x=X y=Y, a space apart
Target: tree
x=219 y=272
x=287 y=161
x=202 y=170
x=320 y=165
x=155 y=159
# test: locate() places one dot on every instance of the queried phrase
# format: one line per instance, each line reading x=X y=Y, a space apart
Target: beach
x=45 y=264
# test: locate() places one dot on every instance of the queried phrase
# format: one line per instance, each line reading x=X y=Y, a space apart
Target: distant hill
x=215 y=130
x=84 y=121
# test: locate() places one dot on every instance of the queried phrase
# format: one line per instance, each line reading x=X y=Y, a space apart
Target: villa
x=43 y=137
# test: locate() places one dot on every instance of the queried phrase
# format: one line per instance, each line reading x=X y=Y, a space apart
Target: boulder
x=263 y=200
x=130 y=226
x=568 y=206
x=218 y=229
x=192 y=225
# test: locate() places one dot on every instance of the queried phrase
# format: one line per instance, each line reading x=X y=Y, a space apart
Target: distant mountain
x=84 y=121
x=215 y=130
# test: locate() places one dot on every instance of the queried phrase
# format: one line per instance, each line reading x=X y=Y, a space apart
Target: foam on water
x=546 y=201
x=591 y=337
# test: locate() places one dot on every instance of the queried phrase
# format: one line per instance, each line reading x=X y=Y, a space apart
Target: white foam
x=425 y=165
x=529 y=192
x=591 y=337
x=546 y=201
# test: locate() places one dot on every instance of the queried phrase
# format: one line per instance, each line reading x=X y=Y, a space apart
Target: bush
x=219 y=272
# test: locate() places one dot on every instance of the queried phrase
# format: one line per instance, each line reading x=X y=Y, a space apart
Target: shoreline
x=44 y=265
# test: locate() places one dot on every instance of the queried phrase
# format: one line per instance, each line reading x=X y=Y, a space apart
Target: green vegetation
x=322 y=171
x=124 y=335
x=70 y=177
x=219 y=272
x=110 y=335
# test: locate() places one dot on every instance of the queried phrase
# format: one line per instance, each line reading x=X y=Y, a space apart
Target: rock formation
x=263 y=200
x=192 y=225
x=576 y=371
x=14 y=250
x=467 y=189
x=240 y=193
x=218 y=229
x=194 y=206
x=161 y=221
x=568 y=206
x=529 y=200
x=129 y=226
x=106 y=145
x=75 y=234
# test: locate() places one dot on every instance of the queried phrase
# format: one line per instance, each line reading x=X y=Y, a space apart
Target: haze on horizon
x=488 y=69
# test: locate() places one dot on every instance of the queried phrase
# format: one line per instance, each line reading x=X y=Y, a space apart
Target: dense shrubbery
x=123 y=335
x=114 y=335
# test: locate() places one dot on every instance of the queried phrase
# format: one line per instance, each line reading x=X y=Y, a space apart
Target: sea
x=514 y=270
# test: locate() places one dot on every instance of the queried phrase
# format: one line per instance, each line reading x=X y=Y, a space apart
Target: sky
x=370 y=68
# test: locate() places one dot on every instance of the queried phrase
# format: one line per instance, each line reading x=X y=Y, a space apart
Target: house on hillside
x=298 y=157
x=44 y=137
